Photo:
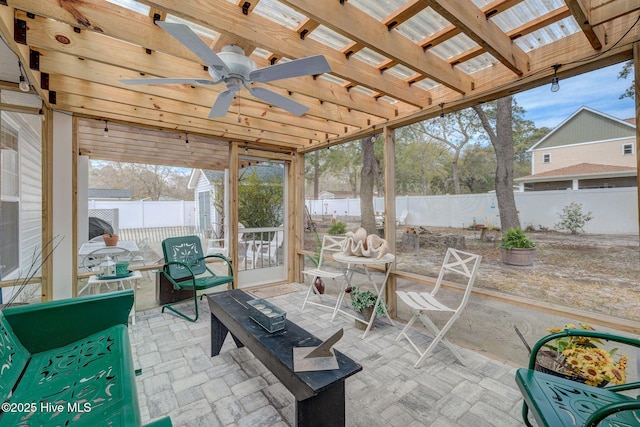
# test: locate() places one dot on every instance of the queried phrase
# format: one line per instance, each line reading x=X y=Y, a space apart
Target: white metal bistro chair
x=455 y=261
x=329 y=244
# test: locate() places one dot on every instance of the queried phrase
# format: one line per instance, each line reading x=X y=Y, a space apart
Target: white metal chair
x=329 y=244
x=258 y=251
x=455 y=261
x=143 y=251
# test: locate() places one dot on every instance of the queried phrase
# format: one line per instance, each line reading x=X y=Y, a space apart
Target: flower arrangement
x=580 y=358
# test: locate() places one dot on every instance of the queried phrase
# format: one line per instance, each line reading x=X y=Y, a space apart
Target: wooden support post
x=636 y=67
x=390 y=211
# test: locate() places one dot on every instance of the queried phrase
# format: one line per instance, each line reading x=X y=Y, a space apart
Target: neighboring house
x=108 y=194
x=20 y=193
x=203 y=183
x=590 y=149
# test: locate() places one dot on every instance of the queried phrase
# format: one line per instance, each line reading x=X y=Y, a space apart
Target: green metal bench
x=555 y=401
x=68 y=362
x=185 y=267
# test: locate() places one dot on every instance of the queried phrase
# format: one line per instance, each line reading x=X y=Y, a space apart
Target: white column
x=62 y=205
x=83 y=197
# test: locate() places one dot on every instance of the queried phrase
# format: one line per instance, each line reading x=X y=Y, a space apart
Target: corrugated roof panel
x=369 y=56
x=333 y=79
x=525 y=12
x=329 y=37
x=400 y=71
x=549 y=34
x=132 y=5
x=279 y=13
x=422 y=25
x=454 y=46
x=364 y=90
x=481 y=62
x=426 y=84
x=379 y=9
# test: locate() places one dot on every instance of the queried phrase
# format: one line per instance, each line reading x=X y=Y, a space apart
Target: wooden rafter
x=393 y=46
x=594 y=35
x=470 y=19
x=403 y=14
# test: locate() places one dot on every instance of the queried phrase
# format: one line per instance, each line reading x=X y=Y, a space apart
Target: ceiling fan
x=235 y=69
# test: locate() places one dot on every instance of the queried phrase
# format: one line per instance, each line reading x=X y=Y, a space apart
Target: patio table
x=386 y=261
x=88 y=247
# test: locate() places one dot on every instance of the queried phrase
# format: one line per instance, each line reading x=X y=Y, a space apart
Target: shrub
x=514 y=238
x=337 y=228
x=573 y=219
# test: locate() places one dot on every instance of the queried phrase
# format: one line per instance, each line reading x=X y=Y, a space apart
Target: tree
x=454 y=130
x=368 y=176
x=260 y=200
x=477 y=169
x=627 y=70
x=502 y=140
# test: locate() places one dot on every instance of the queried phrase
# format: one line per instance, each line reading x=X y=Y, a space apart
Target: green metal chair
x=185 y=267
x=556 y=401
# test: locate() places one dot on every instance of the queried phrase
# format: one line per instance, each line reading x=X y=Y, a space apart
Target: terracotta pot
x=110 y=240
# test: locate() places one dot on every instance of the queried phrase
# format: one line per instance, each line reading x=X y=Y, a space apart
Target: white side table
x=94 y=284
x=351 y=260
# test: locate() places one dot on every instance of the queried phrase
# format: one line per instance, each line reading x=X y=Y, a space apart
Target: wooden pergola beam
x=593 y=34
x=470 y=19
x=393 y=45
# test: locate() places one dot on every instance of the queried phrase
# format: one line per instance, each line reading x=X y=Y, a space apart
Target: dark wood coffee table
x=319 y=394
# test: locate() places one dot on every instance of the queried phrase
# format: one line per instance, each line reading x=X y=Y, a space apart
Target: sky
x=598 y=90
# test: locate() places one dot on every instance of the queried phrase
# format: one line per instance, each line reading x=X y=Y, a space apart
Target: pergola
x=393 y=63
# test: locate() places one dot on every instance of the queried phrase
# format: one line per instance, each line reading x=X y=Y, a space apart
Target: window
x=546 y=158
x=627 y=149
x=9 y=192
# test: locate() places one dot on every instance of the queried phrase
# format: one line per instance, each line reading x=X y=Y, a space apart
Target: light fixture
x=442 y=113
x=106 y=129
x=373 y=138
x=41 y=113
x=186 y=137
x=555 y=82
x=246 y=147
x=24 y=84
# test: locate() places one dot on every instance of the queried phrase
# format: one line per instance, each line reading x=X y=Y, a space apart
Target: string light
x=442 y=113
x=555 y=82
x=186 y=137
x=106 y=129
x=24 y=83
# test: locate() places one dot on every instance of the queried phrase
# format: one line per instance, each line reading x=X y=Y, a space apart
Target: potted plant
x=517 y=248
x=580 y=358
x=110 y=238
x=363 y=302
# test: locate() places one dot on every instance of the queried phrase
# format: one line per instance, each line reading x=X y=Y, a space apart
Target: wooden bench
x=555 y=401
x=68 y=362
x=319 y=394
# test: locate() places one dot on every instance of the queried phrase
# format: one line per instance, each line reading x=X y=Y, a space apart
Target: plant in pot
x=517 y=248
x=363 y=302
x=110 y=238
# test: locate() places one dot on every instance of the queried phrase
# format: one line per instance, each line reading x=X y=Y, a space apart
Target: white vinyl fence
x=614 y=210
x=148 y=213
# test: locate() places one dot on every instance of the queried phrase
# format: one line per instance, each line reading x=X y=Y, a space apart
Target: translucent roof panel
x=279 y=13
x=329 y=37
x=525 y=12
x=333 y=79
x=421 y=25
x=364 y=90
x=548 y=34
x=426 y=84
x=400 y=71
x=261 y=53
x=379 y=9
x=485 y=60
x=132 y=5
x=369 y=56
x=198 y=29
x=454 y=46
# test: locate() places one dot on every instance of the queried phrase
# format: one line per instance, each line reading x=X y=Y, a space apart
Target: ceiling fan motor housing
x=237 y=62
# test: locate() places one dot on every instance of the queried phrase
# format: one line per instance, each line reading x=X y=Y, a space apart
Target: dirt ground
x=594 y=272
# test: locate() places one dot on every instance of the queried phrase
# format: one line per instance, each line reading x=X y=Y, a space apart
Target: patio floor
x=181 y=380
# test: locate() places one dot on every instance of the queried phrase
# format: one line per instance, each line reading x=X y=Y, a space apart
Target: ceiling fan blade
x=167 y=81
x=187 y=37
x=222 y=104
x=279 y=101
x=316 y=64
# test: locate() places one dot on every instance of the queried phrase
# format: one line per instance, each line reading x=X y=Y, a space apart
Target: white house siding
x=599 y=152
x=203 y=185
x=30 y=154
